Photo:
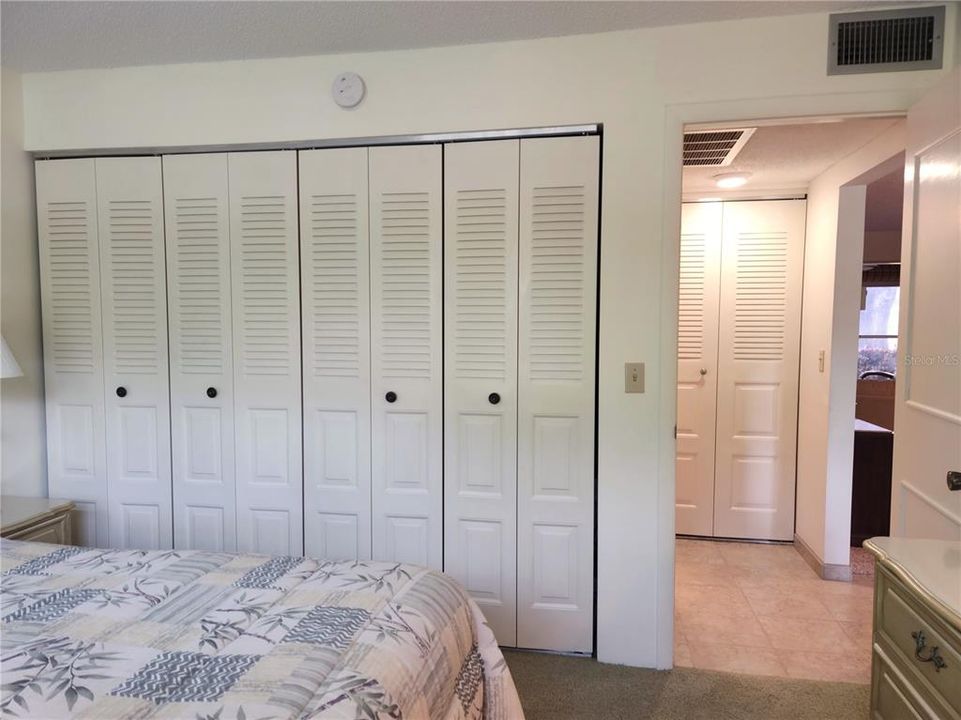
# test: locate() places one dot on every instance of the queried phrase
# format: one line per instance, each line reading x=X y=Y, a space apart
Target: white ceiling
x=787 y=157
x=39 y=36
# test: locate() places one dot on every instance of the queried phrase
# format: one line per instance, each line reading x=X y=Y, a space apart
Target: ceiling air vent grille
x=714 y=148
x=886 y=41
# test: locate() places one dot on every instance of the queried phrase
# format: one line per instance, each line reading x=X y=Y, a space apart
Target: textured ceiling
x=788 y=157
x=39 y=36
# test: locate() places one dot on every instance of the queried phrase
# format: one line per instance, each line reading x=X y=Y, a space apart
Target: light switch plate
x=633 y=377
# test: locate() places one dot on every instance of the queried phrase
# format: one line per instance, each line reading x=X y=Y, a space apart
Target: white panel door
x=406 y=362
x=698 y=297
x=73 y=342
x=134 y=297
x=927 y=437
x=480 y=393
x=758 y=356
x=555 y=455
x=265 y=284
x=201 y=378
x=335 y=282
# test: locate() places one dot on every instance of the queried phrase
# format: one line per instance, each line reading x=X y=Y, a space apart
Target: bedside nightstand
x=36 y=519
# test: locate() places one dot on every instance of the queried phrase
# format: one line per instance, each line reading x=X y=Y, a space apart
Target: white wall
x=833 y=258
x=23 y=455
x=641 y=85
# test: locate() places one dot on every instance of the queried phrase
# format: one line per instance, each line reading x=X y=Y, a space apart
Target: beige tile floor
x=760 y=610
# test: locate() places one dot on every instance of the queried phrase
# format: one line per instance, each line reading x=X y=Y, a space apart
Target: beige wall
x=641 y=85
x=833 y=258
x=23 y=454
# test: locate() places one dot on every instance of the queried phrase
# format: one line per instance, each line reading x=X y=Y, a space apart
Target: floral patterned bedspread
x=216 y=636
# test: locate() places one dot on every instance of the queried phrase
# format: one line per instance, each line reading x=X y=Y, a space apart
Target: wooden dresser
x=36 y=519
x=916 y=662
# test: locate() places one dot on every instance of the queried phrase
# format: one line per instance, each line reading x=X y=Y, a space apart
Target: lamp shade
x=9 y=367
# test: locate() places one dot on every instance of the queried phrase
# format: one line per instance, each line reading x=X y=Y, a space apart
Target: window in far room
x=878 y=331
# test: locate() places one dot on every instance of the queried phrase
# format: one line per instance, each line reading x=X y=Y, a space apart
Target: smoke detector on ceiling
x=714 y=148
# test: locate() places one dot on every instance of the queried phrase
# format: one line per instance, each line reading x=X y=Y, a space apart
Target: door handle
x=121 y=391
x=703 y=372
x=211 y=392
x=391 y=397
x=493 y=398
x=954 y=479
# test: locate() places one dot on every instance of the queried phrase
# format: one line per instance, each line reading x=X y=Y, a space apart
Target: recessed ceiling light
x=731 y=180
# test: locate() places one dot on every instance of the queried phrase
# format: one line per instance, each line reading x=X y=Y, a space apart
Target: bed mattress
x=218 y=636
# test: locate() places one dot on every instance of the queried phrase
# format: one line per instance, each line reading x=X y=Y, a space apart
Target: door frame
x=676 y=117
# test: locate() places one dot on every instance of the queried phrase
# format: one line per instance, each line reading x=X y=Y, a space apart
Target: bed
x=218 y=636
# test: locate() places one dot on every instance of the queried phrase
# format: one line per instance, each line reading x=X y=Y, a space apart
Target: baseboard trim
x=825 y=571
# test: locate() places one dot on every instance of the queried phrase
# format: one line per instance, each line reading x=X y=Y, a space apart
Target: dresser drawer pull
x=932 y=657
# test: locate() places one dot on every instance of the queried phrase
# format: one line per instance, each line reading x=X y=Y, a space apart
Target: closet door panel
x=265 y=287
x=698 y=298
x=480 y=443
x=335 y=281
x=758 y=358
x=134 y=298
x=557 y=330
x=406 y=362
x=201 y=376
x=73 y=342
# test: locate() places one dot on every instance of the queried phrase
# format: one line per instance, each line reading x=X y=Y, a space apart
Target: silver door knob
x=703 y=371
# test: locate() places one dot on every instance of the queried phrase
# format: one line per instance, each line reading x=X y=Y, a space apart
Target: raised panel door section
x=697 y=327
x=335 y=286
x=134 y=297
x=480 y=402
x=265 y=289
x=406 y=361
x=758 y=356
x=73 y=341
x=201 y=375
x=556 y=370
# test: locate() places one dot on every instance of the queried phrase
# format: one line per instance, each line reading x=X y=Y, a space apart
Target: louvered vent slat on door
x=334 y=284
x=266 y=296
x=70 y=295
x=690 y=324
x=133 y=270
x=199 y=270
x=405 y=284
x=480 y=248
x=761 y=296
x=557 y=283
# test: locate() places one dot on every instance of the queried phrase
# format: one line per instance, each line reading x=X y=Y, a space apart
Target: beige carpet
x=558 y=687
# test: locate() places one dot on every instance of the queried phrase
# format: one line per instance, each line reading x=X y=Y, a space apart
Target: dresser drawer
x=891 y=698
x=917 y=639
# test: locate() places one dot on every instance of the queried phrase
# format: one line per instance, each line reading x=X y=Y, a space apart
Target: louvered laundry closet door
x=698 y=297
x=335 y=282
x=201 y=378
x=73 y=342
x=758 y=359
x=265 y=282
x=406 y=372
x=480 y=400
x=555 y=463
x=134 y=289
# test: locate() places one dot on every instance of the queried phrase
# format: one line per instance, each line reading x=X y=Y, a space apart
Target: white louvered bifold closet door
x=134 y=298
x=406 y=357
x=698 y=297
x=758 y=356
x=73 y=342
x=335 y=281
x=201 y=377
x=265 y=283
x=557 y=329
x=480 y=393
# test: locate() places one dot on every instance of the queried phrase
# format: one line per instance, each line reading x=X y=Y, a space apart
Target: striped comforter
x=215 y=636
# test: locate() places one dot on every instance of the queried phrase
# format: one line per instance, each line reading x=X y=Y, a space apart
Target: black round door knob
x=493 y=398
x=211 y=392
x=391 y=397
x=121 y=391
